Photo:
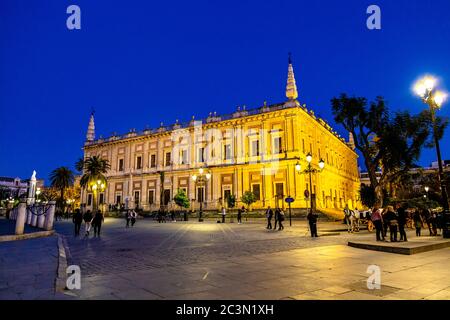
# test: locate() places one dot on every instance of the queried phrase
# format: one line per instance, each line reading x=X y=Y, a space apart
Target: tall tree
x=61 y=178
x=388 y=142
x=95 y=169
x=79 y=165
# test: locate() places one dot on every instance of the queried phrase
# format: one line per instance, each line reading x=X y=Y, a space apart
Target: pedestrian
x=356 y=219
x=401 y=213
x=128 y=217
x=418 y=222
x=312 y=221
x=77 y=220
x=134 y=216
x=281 y=217
x=347 y=214
x=87 y=217
x=97 y=222
x=426 y=217
x=385 y=222
x=269 y=215
x=224 y=212
x=276 y=216
x=434 y=223
x=239 y=215
x=377 y=220
x=391 y=217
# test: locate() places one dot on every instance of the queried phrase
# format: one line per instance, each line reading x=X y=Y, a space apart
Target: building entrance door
x=279 y=195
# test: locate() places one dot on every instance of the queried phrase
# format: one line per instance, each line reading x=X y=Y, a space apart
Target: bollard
x=41 y=218
x=34 y=216
x=49 y=217
x=29 y=216
x=20 y=218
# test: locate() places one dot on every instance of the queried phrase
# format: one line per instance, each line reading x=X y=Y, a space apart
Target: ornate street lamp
x=201 y=179
x=97 y=186
x=425 y=88
x=310 y=170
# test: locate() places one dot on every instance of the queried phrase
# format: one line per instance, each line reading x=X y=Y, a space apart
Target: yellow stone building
x=254 y=150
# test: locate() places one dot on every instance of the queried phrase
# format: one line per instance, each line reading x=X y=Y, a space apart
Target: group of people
x=241 y=211
x=90 y=220
x=279 y=218
x=130 y=217
x=394 y=219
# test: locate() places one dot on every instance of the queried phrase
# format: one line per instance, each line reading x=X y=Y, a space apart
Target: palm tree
x=61 y=178
x=79 y=165
x=94 y=177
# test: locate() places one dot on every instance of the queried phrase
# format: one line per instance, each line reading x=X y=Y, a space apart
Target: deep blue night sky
x=142 y=62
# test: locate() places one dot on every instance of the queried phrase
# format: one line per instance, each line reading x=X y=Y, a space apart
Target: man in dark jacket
x=269 y=215
x=401 y=213
x=77 y=220
x=97 y=222
x=312 y=220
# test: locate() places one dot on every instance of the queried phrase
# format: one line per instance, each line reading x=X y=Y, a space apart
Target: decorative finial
x=291 y=87
x=90 y=135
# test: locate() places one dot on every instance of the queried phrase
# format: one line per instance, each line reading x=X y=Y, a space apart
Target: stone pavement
x=28 y=268
x=230 y=261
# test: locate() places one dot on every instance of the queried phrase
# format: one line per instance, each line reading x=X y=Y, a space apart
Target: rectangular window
x=168 y=159
x=277 y=147
x=227 y=152
x=120 y=164
x=137 y=198
x=89 y=199
x=151 y=196
x=256 y=189
x=153 y=161
x=184 y=157
x=255 y=148
x=101 y=198
x=200 y=194
x=118 y=198
x=139 y=162
x=201 y=155
x=279 y=190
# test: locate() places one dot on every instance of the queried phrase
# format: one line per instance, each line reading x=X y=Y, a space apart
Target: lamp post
x=425 y=88
x=310 y=170
x=200 y=179
x=96 y=186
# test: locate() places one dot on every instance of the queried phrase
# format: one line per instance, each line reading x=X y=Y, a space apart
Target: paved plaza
x=191 y=260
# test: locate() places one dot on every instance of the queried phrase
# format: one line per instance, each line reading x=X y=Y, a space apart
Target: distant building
x=15 y=187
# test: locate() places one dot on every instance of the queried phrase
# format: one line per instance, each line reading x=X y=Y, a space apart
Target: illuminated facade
x=249 y=150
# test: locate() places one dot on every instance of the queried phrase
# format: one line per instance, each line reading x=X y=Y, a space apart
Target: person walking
x=87 y=217
x=377 y=220
x=402 y=215
x=269 y=215
x=239 y=215
x=418 y=222
x=128 y=217
x=134 y=216
x=347 y=214
x=391 y=217
x=312 y=221
x=426 y=217
x=281 y=217
x=434 y=223
x=224 y=212
x=97 y=222
x=276 y=216
x=77 y=220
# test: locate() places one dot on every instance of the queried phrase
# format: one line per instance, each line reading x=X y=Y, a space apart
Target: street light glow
x=194 y=177
x=298 y=166
x=429 y=82
x=427 y=188
x=439 y=98
x=321 y=164
x=309 y=157
x=208 y=176
x=200 y=170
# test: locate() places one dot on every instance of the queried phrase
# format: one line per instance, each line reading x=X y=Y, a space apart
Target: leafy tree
x=367 y=194
x=390 y=142
x=231 y=201
x=248 y=198
x=181 y=199
x=61 y=178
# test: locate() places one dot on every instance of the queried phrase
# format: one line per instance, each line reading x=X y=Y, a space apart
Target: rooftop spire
x=90 y=136
x=291 y=87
